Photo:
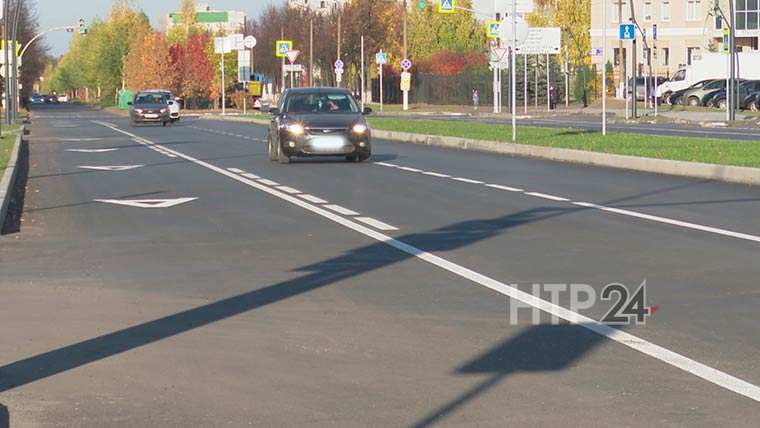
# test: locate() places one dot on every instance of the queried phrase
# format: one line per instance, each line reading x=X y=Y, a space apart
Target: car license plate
x=151 y=116
x=327 y=143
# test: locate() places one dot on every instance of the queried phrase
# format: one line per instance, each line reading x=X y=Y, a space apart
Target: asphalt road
x=324 y=293
x=749 y=132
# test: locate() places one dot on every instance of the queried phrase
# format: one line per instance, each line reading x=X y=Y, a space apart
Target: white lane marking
x=672 y=222
x=406 y=168
x=248 y=174
x=341 y=210
x=545 y=196
x=67 y=126
x=387 y=164
x=235 y=170
x=672 y=358
x=507 y=188
x=467 y=180
x=289 y=190
x=80 y=139
x=436 y=174
x=110 y=167
x=313 y=199
x=91 y=150
x=268 y=182
x=377 y=224
x=147 y=203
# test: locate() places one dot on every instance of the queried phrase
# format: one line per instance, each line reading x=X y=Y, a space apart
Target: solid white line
x=467 y=180
x=235 y=170
x=507 y=188
x=341 y=210
x=313 y=199
x=665 y=220
x=289 y=190
x=682 y=362
x=268 y=182
x=545 y=196
x=249 y=175
x=377 y=224
x=406 y=168
x=436 y=174
x=386 y=164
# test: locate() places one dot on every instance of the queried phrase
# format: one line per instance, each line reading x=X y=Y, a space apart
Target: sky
x=54 y=13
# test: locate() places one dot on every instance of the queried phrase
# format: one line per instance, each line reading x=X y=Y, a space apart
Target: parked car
x=746 y=95
x=63 y=98
x=675 y=97
x=644 y=84
x=318 y=122
x=750 y=101
x=51 y=99
x=697 y=97
x=37 y=99
x=149 y=107
x=172 y=101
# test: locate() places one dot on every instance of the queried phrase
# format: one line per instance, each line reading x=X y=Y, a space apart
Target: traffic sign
x=505 y=6
x=282 y=47
x=446 y=6
x=505 y=30
x=339 y=64
x=297 y=68
x=406 y=81
x=222 y=45
x=381 y=58
x=244 y=73
x=492 y=29
x=406 y=64
x=249 y=42
x=292 y=55
x=237 y=41
x=627 y=32
x=596 y=52
x=541 y=41
x=654 y=31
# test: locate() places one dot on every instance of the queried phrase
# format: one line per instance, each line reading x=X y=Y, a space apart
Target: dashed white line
x=268 y=182
x=341 y=210
x=377 y=224
x=235 y=170
x=545 y=196
x=507 y=188
x=665 y=355
x=289 y=190
x=313 y=199
x=467 y=180
x=387 y=164
x=249 y=175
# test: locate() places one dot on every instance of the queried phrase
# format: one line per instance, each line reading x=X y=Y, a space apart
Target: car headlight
x=295 y=129
x=138 y=110
x=164 y=110
x=359 y=128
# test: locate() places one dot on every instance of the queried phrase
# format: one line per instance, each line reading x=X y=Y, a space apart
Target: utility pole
x=621 y=61
x=14 y=70
x=731 y=90
x=513 y=53
x=405 y=93
x=340 y=13
x=282 y=64
x=311 y=52
x=604 y=70
x=6 y=66
x=362 y=72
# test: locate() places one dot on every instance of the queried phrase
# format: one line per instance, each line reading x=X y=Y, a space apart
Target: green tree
x=187 y=23
x=430 y=31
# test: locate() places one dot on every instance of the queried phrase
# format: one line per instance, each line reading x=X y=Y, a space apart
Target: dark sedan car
x=318 y=122
x=149 y=107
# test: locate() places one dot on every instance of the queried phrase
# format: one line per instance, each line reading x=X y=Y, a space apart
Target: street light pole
x=6 y=66
x=14 y=70
x=405 y=105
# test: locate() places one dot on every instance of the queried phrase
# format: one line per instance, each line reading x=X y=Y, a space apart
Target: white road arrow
x=147 y=203
x=111 y=167
x=91 y=150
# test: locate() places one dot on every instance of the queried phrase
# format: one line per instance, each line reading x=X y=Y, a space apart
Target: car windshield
x=715 y=84
x=320 y=102
x=150 y=99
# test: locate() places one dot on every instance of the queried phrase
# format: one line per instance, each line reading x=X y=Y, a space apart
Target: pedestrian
x=553 y=95
x=475 y=98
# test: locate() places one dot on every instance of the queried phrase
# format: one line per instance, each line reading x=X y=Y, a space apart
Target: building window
x=692 y=52
x=665 y=56
x=747 y=14
x=665 y=11
x=648 y=11
x=693 y=9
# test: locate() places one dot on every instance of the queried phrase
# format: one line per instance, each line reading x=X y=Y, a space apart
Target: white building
x=228 y=21
x=320 y=6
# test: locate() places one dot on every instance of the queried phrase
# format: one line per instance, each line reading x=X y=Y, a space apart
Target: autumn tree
x=148 y=64
x=195 y=73
x=430 y=31
x=186 y=23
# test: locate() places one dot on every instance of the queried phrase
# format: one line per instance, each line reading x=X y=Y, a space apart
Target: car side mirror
x=129 y=103
x=367 y=110
x=274 y=111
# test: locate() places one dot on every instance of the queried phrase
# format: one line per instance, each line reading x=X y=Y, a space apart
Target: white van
x=705 y=66
x=174 y=107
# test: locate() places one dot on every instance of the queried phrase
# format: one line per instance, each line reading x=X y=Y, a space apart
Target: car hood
x=325 y=120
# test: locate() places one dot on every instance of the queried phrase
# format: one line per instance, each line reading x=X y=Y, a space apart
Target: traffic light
x=82 y=27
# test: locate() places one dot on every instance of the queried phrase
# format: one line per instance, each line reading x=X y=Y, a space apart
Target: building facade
x=685 y=28
x=319 y=6
x=227 y=21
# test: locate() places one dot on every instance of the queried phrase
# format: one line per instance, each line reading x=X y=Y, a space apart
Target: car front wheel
x=282 y=158
x=693 y=102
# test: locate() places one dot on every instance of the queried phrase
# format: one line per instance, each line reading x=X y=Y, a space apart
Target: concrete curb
x=9 y=177
x=733 y=174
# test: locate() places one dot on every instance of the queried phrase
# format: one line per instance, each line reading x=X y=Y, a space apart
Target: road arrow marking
x=91 y=150
x=147 y=203
x=111 y=167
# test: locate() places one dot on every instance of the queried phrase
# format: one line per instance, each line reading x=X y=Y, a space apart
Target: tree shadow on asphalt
x=5 y=417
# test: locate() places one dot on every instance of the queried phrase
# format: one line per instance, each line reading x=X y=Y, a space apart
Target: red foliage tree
x=195 y=73
x=449 y=63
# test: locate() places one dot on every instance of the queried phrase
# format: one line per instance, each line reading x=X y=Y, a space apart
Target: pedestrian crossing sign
x=446 y=6
x=282 y=47
x=492 y=29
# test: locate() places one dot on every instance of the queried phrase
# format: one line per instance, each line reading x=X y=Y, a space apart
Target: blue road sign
x=627 y=32
x=381 y=57
x=446 y=6
x=406 y=64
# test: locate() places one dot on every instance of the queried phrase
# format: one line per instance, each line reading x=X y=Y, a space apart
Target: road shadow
x=540 y=348
x=5 y=417
x=12 y=223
